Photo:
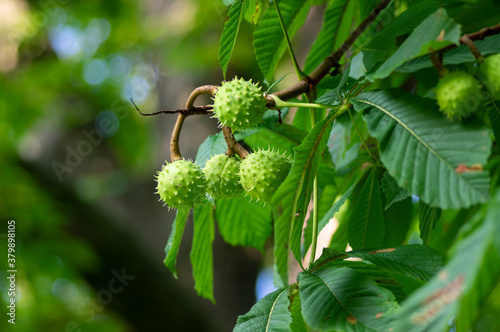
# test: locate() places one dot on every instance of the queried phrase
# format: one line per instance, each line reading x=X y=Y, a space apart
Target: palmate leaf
x=459 y=289
x=325 y=44
x=202 y=252
x=435 y=32
x=427 y=219
x=242 y=222
x=423 y=151
x=230 y=33
x=269 y=42
x=174 y=240
x=366 y=227
x=414 y=260
x=291 y=199
x=344 y=299
x=268 y=315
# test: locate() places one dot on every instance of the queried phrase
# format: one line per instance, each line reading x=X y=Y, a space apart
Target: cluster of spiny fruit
x=455 y=91
x=238 y=104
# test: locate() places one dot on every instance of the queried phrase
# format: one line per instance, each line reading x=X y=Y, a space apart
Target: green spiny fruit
x=222 y=174
x=455 y=94
x=239 y=104
x=181 y=184
x=262 y=172
x=490 y=70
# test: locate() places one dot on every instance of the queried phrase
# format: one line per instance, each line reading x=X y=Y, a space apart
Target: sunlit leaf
x=269 y=41
x=214 y=144
x=174 y=240
x=230 y=33
x=242 y=222
x=202 y=252
x=330 y=36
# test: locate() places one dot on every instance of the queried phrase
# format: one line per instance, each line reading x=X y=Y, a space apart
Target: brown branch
x=332 y=61
x=232 y=145
x=175 y=152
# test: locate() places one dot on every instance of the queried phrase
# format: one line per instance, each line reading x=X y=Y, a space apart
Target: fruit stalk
x=472 y=47
x=175 y=153
x=232 y=145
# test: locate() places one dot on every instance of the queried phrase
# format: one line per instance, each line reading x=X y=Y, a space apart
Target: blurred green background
x=78 y=163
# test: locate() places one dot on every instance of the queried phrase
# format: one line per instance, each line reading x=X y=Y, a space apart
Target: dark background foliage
x=85 y=205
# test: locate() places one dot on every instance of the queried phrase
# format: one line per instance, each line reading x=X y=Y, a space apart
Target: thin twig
x=196 y=110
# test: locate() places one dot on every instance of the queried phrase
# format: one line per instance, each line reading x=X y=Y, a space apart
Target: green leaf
x=269 y=314
x=269 y=42
x=435 y=32
x=494 y=115
x=366 y=226
x=344 y=299
x=327 y=217
x=174 y=240
x=339 y=238
x=330 y=36
x=422 y=151
x=393 y=192
x=214 y=144
x=427 y=219
x=455 y=56
x=382 y=44
x=229 y=34
x=254 y=10
x=295 y=309
x=414 y=260
x=461 y=287
x=229 y=2
x=291 y=199
x=242 y=222
x=202 y=252
x=398 y=222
